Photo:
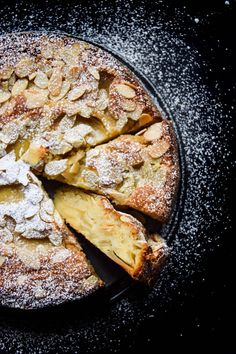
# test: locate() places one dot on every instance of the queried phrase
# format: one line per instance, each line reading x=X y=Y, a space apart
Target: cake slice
x=138 y=171
x=41 y=262
x=120 y=236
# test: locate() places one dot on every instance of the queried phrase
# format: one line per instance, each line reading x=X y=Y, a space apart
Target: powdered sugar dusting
x=176 y=70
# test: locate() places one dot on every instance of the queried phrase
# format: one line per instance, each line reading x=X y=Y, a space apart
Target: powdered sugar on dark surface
x=177 y=73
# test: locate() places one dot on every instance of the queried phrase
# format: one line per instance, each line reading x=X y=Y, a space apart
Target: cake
x=73 y=113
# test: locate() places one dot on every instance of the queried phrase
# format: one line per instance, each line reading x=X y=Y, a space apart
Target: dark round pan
x=152 y=43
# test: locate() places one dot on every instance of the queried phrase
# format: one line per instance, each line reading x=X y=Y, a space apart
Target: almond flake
x=55 y=82
x=154 y=132
x=94 y=72
x=19 y=86
x=54 y=168
x=35 y=97
x=128 y=105
x=73 y=137
x=6 y=73
x=4 y=96
x=102 y=101
x=41 y=80
x=125 y=91
x=159 y=149
x=24 y=67
x=77 y=92
x=64 y=89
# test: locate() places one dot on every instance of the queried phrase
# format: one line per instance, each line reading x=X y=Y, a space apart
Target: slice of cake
x=120 y=236
x=138 y=171
x=41 y=263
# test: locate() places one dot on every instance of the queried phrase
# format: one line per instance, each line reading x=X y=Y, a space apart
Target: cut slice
x=120 y=236
x=41 y=263
x=138 y=171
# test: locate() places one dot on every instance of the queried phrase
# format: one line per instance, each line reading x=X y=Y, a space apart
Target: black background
x=202 y=318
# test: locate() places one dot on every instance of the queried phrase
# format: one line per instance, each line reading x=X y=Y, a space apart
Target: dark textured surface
x=186 y=53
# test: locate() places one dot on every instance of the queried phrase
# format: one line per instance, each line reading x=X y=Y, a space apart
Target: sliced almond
x=48 y=206
x=41 y=80
x=34 y=154
x=158 y=149
x=128 y=105
x=47 y=51
x=64 y=89
x=19 y=86
x=135 y=115
x=94 y=72
x=33 y=210
x=6 y=73
x=125 y=91
x=102 y=101
x=54 y=168
x=77 y=92
x=55 y=82
x=73 y=137
x=153 y=132
x=66 y=123
x=35 y=97
x=44 y=216
x=4 y=96
x=24 y=67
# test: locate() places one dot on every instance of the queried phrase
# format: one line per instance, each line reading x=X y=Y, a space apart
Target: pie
x=73 y=113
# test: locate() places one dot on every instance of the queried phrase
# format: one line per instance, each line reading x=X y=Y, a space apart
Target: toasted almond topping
x=159 y=149
x=35 y=97
x=41 y=80
x=94 y=72
x=47 y=51
x=4 y=96
x=54 y=168
x=135 y=115
x=102 y=101
x=19 y=86
x=24 y=67
x=153 y=132
x=6 y=73
x=77 y=92
x=55 y=82
x=73 y=137
x=64 y=89
x=125 y=91
x=128 y=105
